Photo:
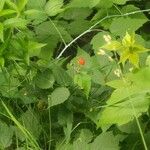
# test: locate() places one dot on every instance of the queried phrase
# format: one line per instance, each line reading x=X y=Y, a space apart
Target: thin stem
x=97 y=23
x=117 y=9
x=139 y=127
x=50 y=132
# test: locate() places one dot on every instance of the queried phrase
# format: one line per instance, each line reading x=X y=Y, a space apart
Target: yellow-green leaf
x=113 y=45
x=21 y=4
x=134 y=59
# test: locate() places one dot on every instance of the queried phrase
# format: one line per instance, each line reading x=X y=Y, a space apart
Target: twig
x=98 y=22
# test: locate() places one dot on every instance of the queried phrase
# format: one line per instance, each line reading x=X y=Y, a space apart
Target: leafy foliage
x=74 y=74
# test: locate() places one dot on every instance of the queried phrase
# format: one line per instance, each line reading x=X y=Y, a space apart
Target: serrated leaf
x=127 y=100
x=36 y=16
x=61 y=76
x=75 y=13
x=78 y=26
x=105 y=141
x=44 y=80
x=35 y=48
x=53 y=7
x=120 y=25
x=103 y=4
x=98 y=41
x=39 y=5
x=21 y=4
x=84 y=82
x=6 y=12
x=119 y=2
x=5 y=136
x=47 y=29
x=15 y=23
x=124 y=112
x=31 y=122
x=58 y=96
x=2 y=2
x=113 y=45
x=11 y=4
x=80 y=3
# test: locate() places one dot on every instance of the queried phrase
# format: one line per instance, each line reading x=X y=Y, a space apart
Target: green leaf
x=80 y=3
x=105 y=141
x=31 y=123
x=65 y=119
x=1 y=32
x=12 y=5
x=47 y=29
x=78 y=26
x=2 y=2
x=34 y=48
x=9 y=85
x=21 y=4
x=61 y=76
x=5 y=136
x=120 y=25
x=84 y=82
x=119 y=2
x=134 y=59
x=44 y=80
x=36 y=5
x=6 y=12
x=98 y=41
x=53 y=7
x=15 y=23
x=36 y=16
x=128 y=100
x=58 y=96
x=113 y=45
x=103 y=4
x=75 y=13
x=124 y=112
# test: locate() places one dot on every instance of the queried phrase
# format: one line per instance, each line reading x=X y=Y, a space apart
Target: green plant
x=74 y=74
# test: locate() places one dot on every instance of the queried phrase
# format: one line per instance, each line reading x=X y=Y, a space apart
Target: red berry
x=81 y=61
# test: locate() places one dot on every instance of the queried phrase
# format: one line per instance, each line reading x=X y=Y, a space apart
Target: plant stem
x=98 y=22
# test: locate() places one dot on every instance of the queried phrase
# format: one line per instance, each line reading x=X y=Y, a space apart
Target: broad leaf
x=80 y=3
x=2 y=2
x=84 y=82
x=12 y=5
x=98 y=41
x=58 y=96
x=44 y=80
x=15 y=23
x=39 y=5
x=34 y=48
x=120 y=25
x=120 y=2
x=53 y=7
x=5 y=136
x=128 y=100
x=30 y=121
x=6 y=12
x=21 y=4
